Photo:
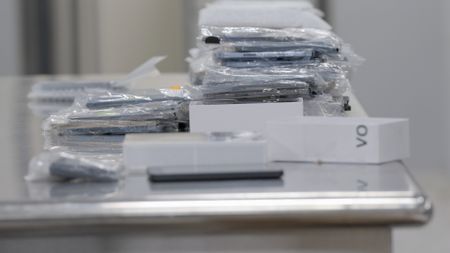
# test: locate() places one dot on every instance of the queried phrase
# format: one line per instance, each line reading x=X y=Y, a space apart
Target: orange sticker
x=175 y=87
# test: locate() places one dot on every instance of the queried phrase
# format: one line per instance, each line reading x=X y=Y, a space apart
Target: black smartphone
x=213 y=173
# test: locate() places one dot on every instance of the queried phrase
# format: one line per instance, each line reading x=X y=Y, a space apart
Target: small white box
x=240 y=117
x=190 y=149
x=338 y=139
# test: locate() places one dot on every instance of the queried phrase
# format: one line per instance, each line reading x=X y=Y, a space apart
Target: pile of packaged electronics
x=249 y=53
x=264 y=52
x=83 y=138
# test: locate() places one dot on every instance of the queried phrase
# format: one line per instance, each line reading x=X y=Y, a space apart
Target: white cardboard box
x=338 y=139
x=240 y=117
x=190 y=149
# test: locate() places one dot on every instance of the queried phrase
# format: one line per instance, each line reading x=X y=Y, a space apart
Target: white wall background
x=132 y=31
x=406 y=45
x=9 y=38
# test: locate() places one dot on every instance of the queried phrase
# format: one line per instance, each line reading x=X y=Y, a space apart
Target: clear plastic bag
x=326 y=105
x=73 y=190
x=257 y=39
x=113 y=127
x=217 y=76
x=280 y=92
x=125 y=115
x=265 y=59
x=254 y=92
x=234 y=136
x=45 y=109
x=198 y=62
x=98 y=144
x=66 y=166
x=309 y=80
x=67 y=90
x=102 y=100
x=265 y=47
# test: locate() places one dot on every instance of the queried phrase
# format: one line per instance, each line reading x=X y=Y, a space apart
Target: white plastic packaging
x=276 y=15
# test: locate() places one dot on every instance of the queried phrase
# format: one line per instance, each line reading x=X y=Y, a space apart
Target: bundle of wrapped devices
x=109 y=113
x=63 y=165
x=248 y=53
x=84 y=141
x=79 y=158
x=84 y=136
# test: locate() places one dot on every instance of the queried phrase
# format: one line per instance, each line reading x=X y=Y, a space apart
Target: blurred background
x=405 y=44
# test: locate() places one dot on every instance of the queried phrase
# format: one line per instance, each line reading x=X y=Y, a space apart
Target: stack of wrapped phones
x=251 y=55
x=121 y=113
x=83 y=138
x=84 y=141
x=270 y=61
